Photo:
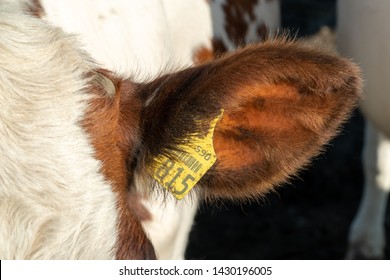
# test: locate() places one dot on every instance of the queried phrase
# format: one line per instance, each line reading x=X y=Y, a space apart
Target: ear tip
x=286 y=59
x=337 y=74
x=349 y=81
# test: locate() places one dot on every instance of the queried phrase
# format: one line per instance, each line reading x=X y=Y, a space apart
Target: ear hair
x=282 y=102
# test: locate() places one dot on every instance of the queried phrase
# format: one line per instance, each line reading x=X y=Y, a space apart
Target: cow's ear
x=266 y=110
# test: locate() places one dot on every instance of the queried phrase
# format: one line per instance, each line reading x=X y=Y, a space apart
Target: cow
x=79 y=141
x=363 y=34
x=145 y=39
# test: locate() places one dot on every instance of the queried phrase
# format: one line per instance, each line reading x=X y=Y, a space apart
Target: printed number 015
x=163 y=172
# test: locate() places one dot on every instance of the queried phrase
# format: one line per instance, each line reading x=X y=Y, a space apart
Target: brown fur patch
x=239 y=18
x=36 y=9
x=236 y=14
x=219 y=47
x=262 y=31
x=133 y=244
x=112 y=123
x=202 y=54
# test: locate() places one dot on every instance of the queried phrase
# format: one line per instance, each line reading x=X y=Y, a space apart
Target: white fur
x=171 y=225
x=43 y=187
x=364 y=34
x=190 y=26
x=144 y=39
x=125 y=36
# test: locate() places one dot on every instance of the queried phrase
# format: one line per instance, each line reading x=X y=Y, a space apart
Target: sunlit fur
x=144 y=39
x=54 y=202
x=282 y=102
x=76 y=140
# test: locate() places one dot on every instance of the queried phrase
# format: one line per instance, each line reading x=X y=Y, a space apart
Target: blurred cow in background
x=364 y=35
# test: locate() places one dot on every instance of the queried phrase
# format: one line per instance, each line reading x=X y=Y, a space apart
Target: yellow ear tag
x=187 y=165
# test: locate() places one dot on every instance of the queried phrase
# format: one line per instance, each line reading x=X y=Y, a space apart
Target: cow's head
x=268 y=109
x=232 y=128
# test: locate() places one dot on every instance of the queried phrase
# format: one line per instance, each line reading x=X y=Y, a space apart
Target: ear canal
x=281 y=103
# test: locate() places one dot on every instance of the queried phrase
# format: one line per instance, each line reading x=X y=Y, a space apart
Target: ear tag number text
x=186 y=166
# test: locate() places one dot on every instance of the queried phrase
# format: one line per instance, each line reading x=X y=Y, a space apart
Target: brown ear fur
x=112 y=122
x=282 y=102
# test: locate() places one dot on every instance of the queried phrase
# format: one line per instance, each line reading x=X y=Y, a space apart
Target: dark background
x=308 y=218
